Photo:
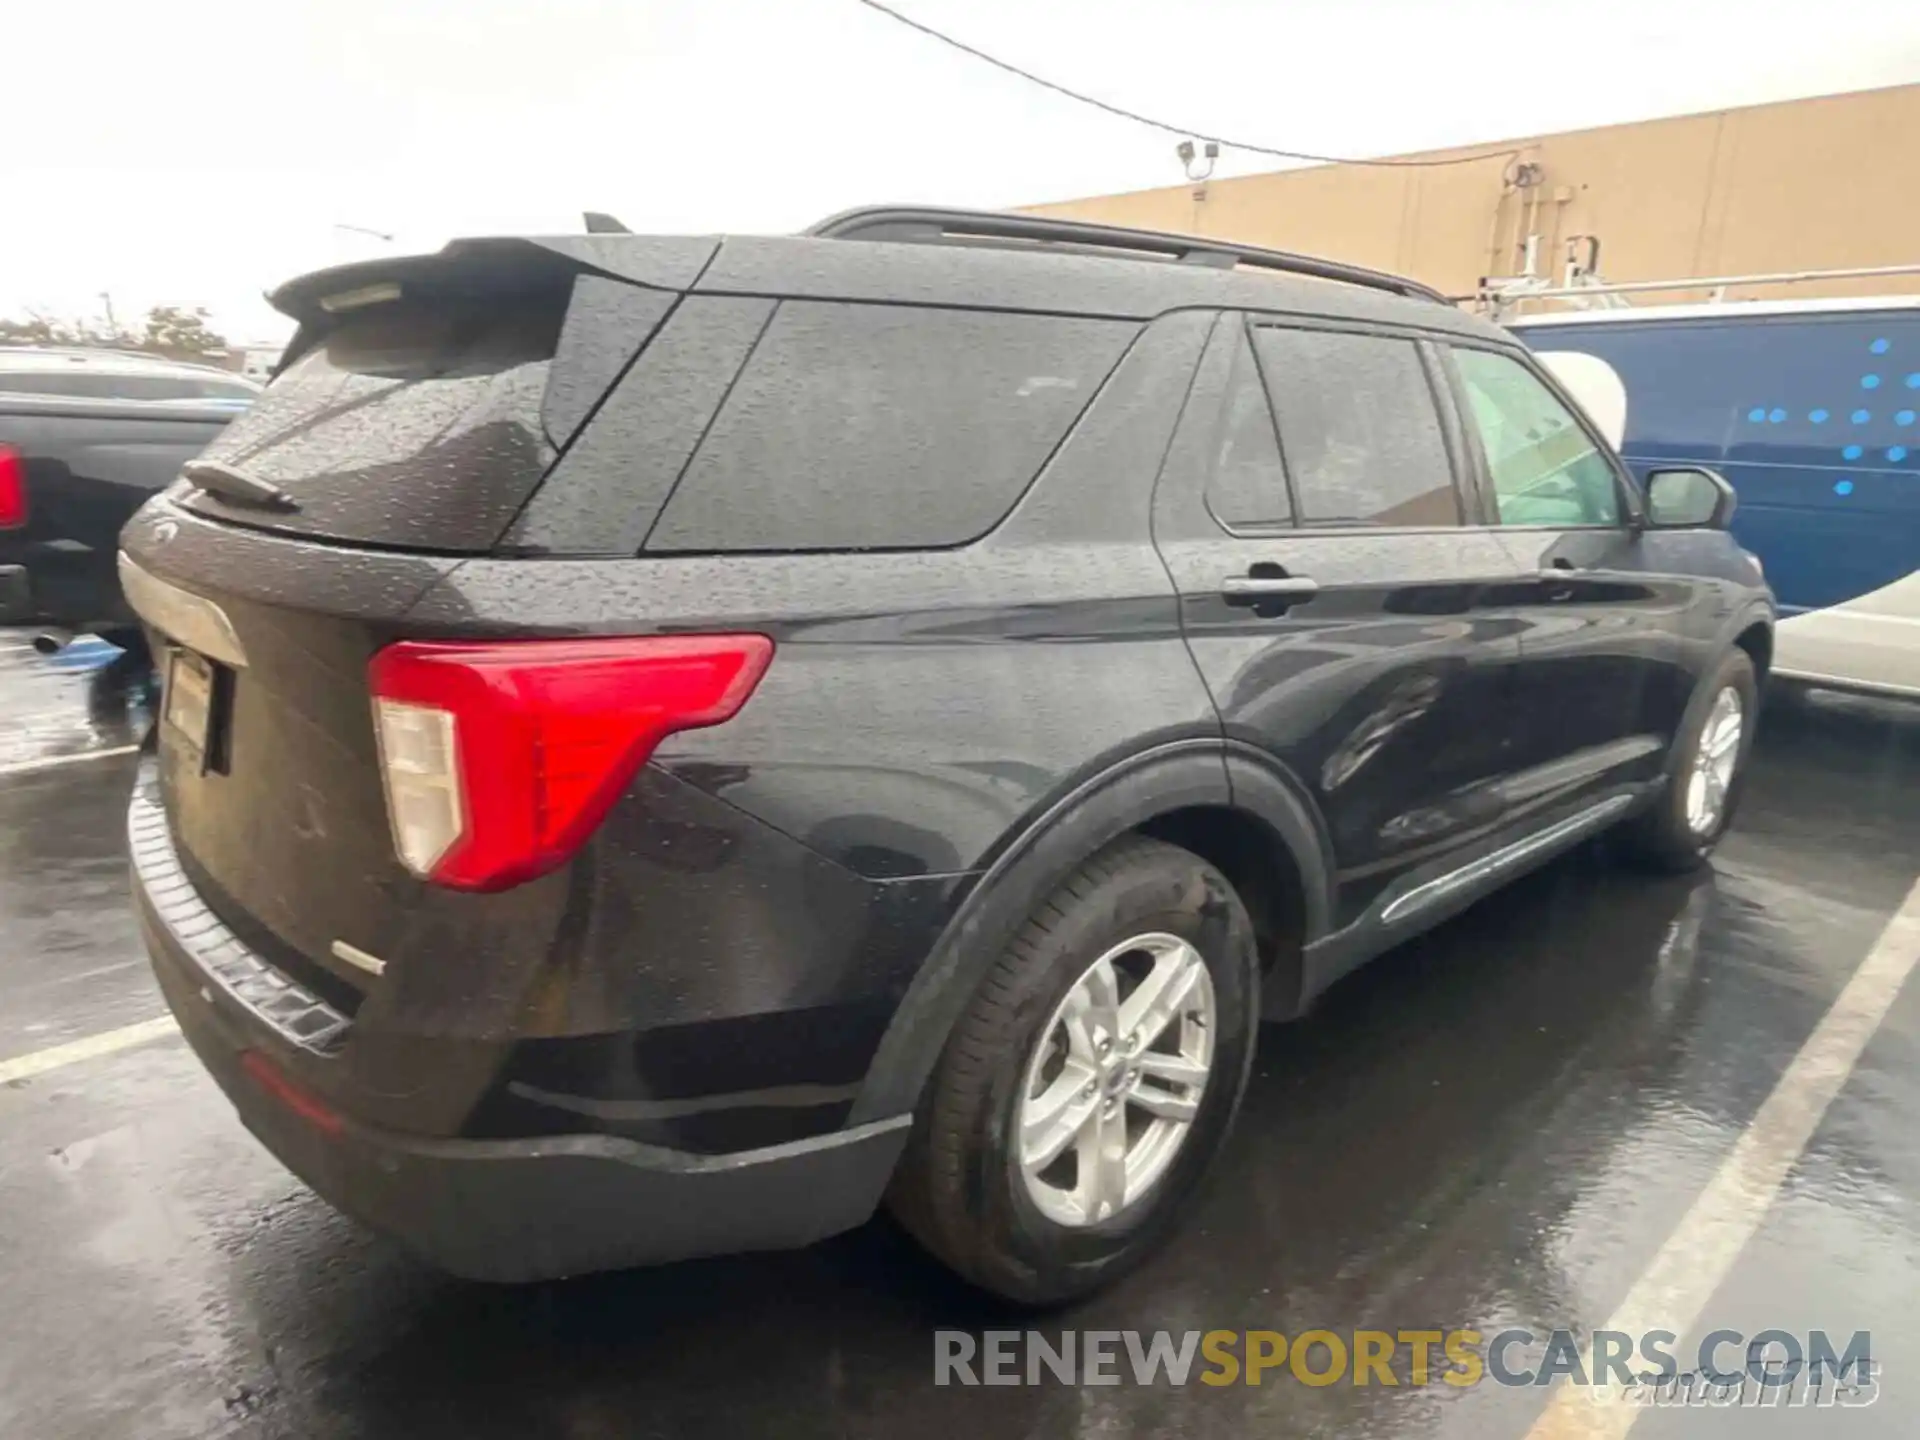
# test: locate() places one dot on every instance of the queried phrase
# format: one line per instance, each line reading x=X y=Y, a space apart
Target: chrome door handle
x=1248 y=589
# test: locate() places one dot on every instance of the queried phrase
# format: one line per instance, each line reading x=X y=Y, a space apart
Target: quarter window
x=858 y=427
x=1358 y=428
x=1546 y=470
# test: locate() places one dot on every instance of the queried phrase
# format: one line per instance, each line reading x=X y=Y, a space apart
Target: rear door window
x=1359 y=428
x=885 y=427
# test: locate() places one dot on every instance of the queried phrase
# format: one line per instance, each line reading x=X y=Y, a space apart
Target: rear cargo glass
x=413 y=424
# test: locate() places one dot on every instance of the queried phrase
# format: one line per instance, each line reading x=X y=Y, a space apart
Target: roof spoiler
x=490 y=265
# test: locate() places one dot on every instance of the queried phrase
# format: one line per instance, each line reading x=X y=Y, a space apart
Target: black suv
x=670 y=741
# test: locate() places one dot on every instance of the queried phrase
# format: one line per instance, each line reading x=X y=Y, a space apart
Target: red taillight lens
x=13 y=489
x=499 y=759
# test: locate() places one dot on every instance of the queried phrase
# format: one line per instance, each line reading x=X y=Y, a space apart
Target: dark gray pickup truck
x=85 y=438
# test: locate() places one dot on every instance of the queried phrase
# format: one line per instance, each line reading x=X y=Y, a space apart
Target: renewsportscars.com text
x=1728 y=1367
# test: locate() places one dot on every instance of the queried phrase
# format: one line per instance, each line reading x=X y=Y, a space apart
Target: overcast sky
x=198 y=151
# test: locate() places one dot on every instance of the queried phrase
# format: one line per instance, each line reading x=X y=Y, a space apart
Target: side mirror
x=1689 y=499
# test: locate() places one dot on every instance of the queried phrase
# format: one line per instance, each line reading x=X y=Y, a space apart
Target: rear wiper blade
x=236 y=485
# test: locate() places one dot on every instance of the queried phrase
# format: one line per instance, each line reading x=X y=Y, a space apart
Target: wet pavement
x=1500 y=1125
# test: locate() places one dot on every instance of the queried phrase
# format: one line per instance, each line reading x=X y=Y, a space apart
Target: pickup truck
x=85 y=438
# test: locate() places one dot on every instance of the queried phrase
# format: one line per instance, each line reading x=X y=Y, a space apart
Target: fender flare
x=1034 y=861
x=1270 y=792
x=1756 y=612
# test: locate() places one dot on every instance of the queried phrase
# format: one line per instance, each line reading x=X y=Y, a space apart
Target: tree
x=177 y=331
x=36 y=329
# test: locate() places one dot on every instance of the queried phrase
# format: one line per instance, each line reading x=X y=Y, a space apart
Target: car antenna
x=601 y=223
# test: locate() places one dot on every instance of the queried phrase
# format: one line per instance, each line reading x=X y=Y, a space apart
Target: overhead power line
x=1162 y=125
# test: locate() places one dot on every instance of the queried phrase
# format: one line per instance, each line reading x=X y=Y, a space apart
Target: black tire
x=1660 y=838
x=959 y=1189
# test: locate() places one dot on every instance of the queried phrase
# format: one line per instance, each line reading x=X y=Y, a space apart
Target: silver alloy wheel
x=1714 y=760
x=1115 y=1080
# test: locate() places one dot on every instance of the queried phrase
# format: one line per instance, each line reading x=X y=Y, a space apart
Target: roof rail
x=934 y=226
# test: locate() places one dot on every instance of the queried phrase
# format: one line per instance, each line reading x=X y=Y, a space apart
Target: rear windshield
x=414 y=424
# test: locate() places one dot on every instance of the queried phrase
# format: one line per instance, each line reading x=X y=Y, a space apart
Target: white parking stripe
x=1703 y=1247
x=53 y=762
x=25 y=1067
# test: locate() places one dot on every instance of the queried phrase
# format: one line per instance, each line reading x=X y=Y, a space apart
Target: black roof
x=919 y=256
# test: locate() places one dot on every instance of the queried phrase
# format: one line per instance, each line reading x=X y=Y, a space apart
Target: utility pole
x=113 y=326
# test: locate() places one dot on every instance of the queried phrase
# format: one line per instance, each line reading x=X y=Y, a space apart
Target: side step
x=1478 y=875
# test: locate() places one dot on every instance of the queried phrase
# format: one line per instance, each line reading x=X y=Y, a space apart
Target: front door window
x=1546 y=469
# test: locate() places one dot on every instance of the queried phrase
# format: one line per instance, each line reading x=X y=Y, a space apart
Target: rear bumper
x=500 y=1210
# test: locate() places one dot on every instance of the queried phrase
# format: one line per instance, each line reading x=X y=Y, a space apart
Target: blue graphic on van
x=1694 y=386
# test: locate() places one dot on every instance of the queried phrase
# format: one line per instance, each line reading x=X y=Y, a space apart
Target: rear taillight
x=499 y=759
x=13 y=489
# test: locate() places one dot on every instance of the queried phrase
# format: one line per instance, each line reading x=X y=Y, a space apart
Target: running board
x=1476 y=875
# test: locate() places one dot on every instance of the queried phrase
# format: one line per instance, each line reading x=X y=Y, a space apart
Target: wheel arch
x=1194 y=793
x=1756 y=638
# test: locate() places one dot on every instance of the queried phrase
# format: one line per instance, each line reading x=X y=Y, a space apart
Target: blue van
x=1811 y=408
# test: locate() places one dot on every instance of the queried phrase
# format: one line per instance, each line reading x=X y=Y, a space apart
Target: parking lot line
x=52 y=762
x=1701 y=1251
x=25 y=1067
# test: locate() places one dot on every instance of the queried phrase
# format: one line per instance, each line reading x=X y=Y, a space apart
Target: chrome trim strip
x=780 y=1096
x=215 y=954
x=179 y=614
x=1562 y=833
x=359 y=958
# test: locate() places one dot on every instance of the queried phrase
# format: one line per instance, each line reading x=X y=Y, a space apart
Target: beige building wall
x=1826 y=183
